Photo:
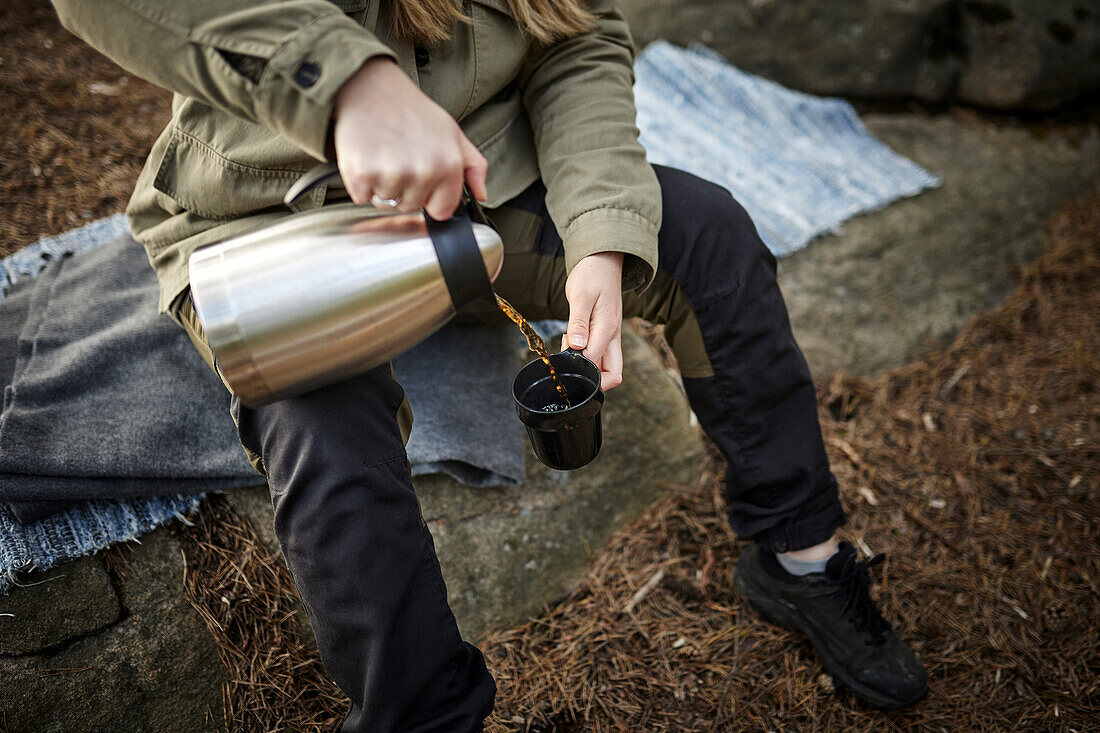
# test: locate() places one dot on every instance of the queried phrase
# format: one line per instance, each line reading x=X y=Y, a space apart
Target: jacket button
x=307 y=74
x=422 y=56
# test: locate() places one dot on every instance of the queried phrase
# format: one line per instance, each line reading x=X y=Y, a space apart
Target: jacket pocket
x=210 y=185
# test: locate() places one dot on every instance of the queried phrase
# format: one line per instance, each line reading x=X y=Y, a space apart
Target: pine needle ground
x=974 y=469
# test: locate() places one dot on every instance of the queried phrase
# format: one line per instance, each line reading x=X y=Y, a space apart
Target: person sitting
x=528 y=103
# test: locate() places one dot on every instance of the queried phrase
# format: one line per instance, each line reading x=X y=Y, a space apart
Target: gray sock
x=801 y=567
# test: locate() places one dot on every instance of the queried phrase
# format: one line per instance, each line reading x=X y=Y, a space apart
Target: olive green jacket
x=255 y=83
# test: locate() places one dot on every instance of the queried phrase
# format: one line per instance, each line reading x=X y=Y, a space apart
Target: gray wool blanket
x=105 y=398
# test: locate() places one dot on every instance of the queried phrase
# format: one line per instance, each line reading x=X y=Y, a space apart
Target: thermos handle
x=460 y=258
x=326 y=173
x=318 y=175
x=455 y=245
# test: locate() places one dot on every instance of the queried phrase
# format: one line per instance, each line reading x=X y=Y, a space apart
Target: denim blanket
x=799 y=164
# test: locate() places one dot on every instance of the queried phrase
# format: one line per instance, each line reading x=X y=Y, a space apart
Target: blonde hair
x=430 y=21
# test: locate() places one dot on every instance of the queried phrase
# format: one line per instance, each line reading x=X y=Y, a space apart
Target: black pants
x=349 y=522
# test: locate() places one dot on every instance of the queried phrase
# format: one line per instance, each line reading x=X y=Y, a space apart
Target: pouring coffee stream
x=537 y=345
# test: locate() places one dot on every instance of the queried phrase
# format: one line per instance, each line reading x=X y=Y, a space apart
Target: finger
x=580 y=315
x=475 y=169
x=419 y=186
x=611 y=369
x=444 y=199
x=391 y=183
x=605 y=323
x=360 y=186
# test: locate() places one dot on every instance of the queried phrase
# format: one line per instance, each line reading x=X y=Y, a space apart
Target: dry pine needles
x=974 y=469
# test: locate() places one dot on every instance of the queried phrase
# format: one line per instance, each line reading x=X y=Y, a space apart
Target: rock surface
x=506 y=552
x=70 y=602
x=102 y=652
x=898 y=283
x=999 y=54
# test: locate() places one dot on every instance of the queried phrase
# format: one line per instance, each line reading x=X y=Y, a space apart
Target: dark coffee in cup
x=563 y=436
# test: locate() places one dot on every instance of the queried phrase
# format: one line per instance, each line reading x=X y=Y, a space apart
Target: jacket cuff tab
x=615 y=230
x=299 y=88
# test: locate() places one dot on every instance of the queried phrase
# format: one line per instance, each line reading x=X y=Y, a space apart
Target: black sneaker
x=857 y=646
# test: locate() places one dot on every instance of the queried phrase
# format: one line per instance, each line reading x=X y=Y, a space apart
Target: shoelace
x=855 y=585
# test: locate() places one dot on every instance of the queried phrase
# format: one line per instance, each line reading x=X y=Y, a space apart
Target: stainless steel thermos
x=324 y=295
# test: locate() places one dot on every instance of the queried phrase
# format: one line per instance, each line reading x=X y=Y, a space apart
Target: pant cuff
x=805 y=531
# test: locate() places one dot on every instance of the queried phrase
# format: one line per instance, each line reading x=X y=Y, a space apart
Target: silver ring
x=385 y=203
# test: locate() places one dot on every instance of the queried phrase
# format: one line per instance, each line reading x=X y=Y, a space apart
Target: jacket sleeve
x=278 y=64
x=601 y=193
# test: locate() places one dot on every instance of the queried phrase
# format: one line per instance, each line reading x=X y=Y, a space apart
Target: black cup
x=562 y=438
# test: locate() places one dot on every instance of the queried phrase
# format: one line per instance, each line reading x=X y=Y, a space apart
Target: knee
x=345 y=425
x=706 y=233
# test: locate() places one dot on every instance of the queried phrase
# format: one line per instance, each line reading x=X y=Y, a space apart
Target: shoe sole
x=786 y=615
